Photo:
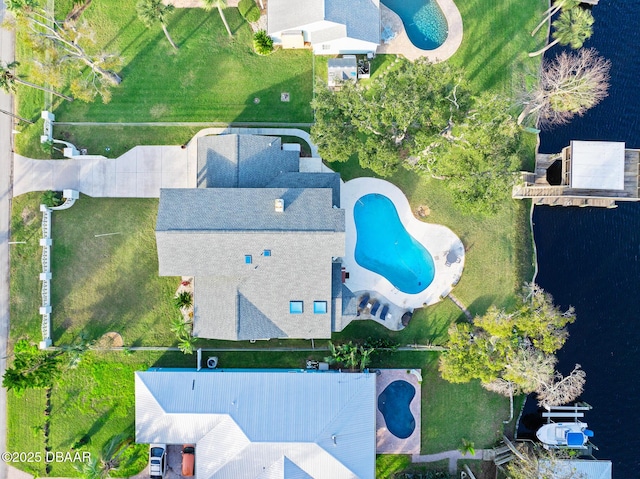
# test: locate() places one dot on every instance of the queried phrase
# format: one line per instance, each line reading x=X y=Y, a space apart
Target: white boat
x=570 y=435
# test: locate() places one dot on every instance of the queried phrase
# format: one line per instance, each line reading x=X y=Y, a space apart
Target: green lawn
x=210 y=78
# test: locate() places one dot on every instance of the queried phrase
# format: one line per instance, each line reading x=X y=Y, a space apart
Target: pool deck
x=401 y=45
x=443 y=244
x=387 y=443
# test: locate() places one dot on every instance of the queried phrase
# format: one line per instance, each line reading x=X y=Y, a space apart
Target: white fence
x=46 y=242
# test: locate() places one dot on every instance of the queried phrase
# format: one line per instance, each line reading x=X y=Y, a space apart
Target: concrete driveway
x=139 y=173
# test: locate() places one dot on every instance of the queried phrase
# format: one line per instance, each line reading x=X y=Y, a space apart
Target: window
x=319 y=307
x=248 y=259
x=295 y=307
x=267 y=252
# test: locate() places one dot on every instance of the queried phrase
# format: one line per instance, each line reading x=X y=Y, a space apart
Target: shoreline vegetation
x=499 y=247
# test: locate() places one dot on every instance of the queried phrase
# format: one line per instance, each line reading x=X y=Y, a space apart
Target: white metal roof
x=263 y=424
x=577 y=468
x=597 y=165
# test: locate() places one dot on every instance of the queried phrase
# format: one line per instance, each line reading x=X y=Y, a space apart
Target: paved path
x=453 y=457
x=460 y=305
x=139 y=173
x=7 y=49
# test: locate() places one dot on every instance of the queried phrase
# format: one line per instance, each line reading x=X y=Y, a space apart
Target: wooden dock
x=535 y=185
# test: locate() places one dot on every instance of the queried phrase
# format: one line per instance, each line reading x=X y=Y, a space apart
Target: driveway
x=139 y=173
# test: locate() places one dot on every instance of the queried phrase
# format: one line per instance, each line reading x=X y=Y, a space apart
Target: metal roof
x=293 y=424
x=597 y=165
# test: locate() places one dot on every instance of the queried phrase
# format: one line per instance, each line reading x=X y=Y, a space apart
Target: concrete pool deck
x=401 y=45
x=443 y=244
x=387 y=443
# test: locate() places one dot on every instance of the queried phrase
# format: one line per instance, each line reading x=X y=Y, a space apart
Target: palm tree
x=179 y=327
x=8 y=81
x=183 y=300
x=219 y=4
x=557 y=6
x=108 y=460
x=152 y=11
x=186 y=344
x=572 y=28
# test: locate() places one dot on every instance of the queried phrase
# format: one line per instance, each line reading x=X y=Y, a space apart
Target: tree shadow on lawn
x=481 y=304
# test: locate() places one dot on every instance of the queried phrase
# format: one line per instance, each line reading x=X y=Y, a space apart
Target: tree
x=572 y=28
x=536 y=463
x=379 y=122
x=219 y=4
x=511 y=352
x=32 y=368
x=350 y=355
x=51 y=198
x=61 y=53
x=562 y=390
x=8 y=80
x=187 y=344
x=555 y=8
x=567 y=86
x=262 y=43
x=111 y=457
x=180 y=327
x=477 y=157
x=154 y=11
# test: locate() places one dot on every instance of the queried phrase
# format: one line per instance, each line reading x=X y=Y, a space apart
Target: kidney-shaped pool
x=385 y=247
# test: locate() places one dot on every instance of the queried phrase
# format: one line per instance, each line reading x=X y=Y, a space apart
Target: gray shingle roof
x=206 y=233
x=242 y=161
x=248 y=209
x=262 y=424
x=361 y=18
x=310 y=180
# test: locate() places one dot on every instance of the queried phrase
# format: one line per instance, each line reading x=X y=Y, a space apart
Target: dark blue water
x=394 y=403
x=589 y=257
x=384 y=246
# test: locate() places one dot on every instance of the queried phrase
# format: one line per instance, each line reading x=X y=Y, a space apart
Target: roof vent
x=279 y=205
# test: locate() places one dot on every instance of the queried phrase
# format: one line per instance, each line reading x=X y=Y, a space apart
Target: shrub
x=262 y=43
x=249 y=10
x=51 y=198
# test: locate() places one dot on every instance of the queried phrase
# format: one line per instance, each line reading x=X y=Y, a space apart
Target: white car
x=157 y=460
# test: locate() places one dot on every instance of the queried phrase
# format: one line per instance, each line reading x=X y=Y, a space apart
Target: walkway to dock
x=453 y=457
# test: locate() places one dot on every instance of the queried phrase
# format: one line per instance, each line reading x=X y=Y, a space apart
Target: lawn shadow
x=481 y=304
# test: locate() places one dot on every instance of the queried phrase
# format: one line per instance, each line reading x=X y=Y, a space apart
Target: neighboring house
x=261 y=240
x=263 y=425
x=330 y=27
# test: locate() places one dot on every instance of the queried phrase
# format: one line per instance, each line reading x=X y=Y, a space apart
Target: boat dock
x=596 y=174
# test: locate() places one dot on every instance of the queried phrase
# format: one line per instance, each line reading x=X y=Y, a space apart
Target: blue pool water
x=385 y=247
x=394 y=403
x=424 y=22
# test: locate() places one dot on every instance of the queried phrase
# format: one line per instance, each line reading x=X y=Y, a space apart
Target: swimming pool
x=384 y=246
x=394 y=403
x=424 y=22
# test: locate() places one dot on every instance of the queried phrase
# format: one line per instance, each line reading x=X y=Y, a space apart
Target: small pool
x=385 y=247
x=424 y=22
x=394 y=403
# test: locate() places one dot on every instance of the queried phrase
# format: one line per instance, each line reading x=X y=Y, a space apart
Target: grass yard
x=497 y=40
x=210 y=78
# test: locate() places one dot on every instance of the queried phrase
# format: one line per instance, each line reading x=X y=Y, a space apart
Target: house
x=262 y=424
x=261 y=240
x=330 y=27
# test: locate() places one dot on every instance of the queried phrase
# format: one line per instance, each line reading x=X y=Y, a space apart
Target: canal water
x=590 y=257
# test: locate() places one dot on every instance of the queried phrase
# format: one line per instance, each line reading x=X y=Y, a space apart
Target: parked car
x=157 y=461
x=188 y=459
